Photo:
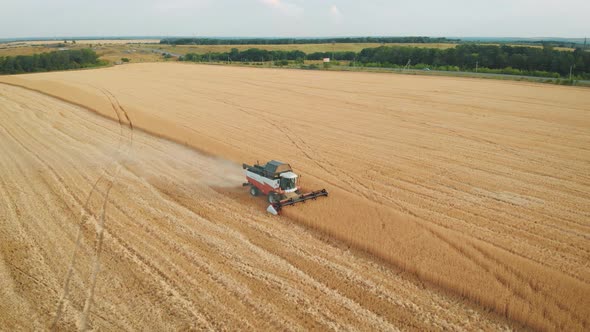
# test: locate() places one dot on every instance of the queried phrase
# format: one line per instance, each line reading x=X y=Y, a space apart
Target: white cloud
x=285 y=8
x=335 y=14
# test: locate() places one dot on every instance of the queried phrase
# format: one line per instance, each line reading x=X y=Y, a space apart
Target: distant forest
x=58 y=60
x=284 y=41
x=518 y=60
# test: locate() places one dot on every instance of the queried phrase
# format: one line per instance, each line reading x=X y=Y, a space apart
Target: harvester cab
x=279 y=183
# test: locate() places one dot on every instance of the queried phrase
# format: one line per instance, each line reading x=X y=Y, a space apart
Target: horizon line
x=137 y=37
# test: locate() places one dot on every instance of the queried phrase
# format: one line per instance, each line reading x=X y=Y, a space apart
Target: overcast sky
x=457 y=18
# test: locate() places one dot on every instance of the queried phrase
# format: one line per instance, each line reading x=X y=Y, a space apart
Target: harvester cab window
x=287 y=184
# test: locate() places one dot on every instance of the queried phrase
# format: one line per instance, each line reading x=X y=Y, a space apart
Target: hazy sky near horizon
x=297 y=18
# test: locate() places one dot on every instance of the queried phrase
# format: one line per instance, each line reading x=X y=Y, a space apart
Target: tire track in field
x=83 y=218
x=111 y=183
x=80 y=204
x=120 y=209
x=158 y=274
x=352 y=182
x=96 y=268
x=306 y=150
x=66 y=287
x=86 y=212
x=101 y=220
x=61 y=181
x=58 y=176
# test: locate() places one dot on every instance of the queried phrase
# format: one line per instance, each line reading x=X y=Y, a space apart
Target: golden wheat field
x=454 y=203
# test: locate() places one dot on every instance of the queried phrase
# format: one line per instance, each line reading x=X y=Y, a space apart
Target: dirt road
x=477 y=187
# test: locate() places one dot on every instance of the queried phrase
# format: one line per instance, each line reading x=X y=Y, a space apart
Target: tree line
x=260 y=55
x=521 y=60
x=57 y=60
x=250 y=55
x=527 y=60
x=283 y=41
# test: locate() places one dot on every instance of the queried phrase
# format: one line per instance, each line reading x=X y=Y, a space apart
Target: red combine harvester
x=279 y=183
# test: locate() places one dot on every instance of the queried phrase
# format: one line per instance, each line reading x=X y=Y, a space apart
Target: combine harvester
x=277 y=180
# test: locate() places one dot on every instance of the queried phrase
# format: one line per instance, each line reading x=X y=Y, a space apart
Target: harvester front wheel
x=253 y=191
